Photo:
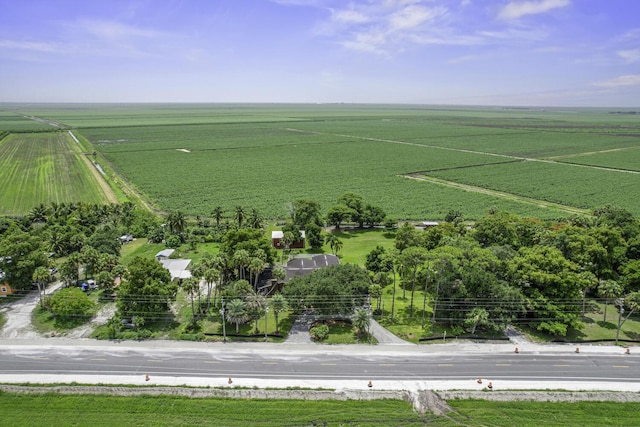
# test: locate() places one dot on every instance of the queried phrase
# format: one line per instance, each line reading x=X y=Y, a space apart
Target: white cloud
x=112 y=30
x=518 y=9
x=30 y=46
x=350 y=17
x=628 y=80
x=413 y=16
x=630 y=56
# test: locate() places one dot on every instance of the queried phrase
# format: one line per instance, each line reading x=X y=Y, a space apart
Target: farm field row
x=621 y=158
x=268 y=178
x=573 y=185
x=15 y=122
x=40 y=168
x=195 y=157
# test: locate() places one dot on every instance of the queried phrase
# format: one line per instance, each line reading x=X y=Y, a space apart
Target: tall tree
x=41 y=275
x=412 y=258
x=176 y=221
x=256 y=266
x=236 y=312
x=278 y=304
x=218 y=215
x=361 y=320
x=240 y=215
x=337 y=214
x=356 y=204
x=147 y=290
x=241 y=259
x=609 y=290
x=334 y=243
x=192 y=287
x=476 y=317
x=305 y=212
x=20 y=254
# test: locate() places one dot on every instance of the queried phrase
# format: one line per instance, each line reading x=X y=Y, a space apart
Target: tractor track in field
x=508 y=196
x=108 y=192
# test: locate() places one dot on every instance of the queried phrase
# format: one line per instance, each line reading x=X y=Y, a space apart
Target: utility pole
x=266 y=313
x=224 y=321
x=620 y=312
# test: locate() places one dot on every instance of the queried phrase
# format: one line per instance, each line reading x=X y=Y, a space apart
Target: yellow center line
x=154 y=360
x=98 y=360
x=269 y=363
x=327 y=364
x=445 y=364
x=210 y=361
x=40 y=358
x=620 y=366
x=561 y=365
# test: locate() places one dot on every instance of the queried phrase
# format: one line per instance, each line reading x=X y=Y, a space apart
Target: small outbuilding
x=5 y=290
x=277 y=236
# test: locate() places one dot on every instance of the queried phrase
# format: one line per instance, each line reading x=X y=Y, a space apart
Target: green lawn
x=473 y=413
x=97 y=410
x=101 y=410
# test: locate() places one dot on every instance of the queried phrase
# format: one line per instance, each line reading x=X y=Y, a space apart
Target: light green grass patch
x=42 y=168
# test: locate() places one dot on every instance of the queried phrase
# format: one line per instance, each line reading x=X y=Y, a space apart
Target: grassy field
x=194 y=157
x=40 y=168
x=97 y=410
x=15 y=122
x=486 y=413
x=100 y=410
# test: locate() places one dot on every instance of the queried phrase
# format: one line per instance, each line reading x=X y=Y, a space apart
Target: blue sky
x=482 y=52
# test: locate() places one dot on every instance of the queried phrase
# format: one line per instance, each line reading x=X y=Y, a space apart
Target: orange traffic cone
x=229 y=380
x=479 y=381
x=490 y=386
x=628 y=351
x=370 y=384
x=516 y=350
x=146 y=377
x=577 y=349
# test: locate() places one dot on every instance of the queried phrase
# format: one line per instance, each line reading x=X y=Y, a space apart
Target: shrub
x=319 y=333
x=71 y=303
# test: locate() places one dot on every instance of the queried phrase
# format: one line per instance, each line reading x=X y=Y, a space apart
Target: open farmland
x=196 y=157
x=40 y=168
x=14 y=122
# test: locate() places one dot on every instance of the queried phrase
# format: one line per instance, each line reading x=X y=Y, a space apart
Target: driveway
x=18 y=315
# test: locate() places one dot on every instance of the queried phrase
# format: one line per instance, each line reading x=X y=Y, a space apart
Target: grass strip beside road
x=53 y=409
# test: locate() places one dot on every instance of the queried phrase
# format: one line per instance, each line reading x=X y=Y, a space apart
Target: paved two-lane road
x=264 y=365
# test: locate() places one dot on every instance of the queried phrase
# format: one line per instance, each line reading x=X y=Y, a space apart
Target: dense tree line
x=504 y=268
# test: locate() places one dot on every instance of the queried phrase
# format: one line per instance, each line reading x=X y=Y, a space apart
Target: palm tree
x=218 y=215
x=609 y=290
x=255 y=219
x=41 y=276
x=236 y=312
x=361 y=320
x=278 y=304
x=375 y=292
x=279 y=274
x=256 y=265
x=256 y=307
x=192 y=287
x=240 y=215
x=241 y=259
x=412 y=258
x=176 y=221
x=334 y=243
x=210 y=277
